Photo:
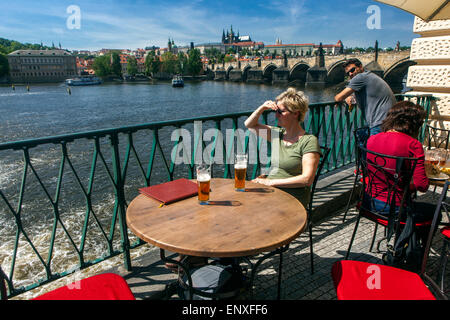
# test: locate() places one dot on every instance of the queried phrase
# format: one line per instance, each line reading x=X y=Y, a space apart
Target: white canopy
x=427 y=10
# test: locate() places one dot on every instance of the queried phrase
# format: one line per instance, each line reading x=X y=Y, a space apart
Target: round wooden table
x=235 y=224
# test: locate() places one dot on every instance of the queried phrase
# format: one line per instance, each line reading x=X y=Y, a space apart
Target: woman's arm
x=258 y=128
x=310 y=162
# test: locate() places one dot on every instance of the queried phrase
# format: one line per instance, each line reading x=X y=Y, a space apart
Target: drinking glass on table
x=240 y=169
x=203 y=181
x=441 y=157
x=446 y=167
x=431 y=161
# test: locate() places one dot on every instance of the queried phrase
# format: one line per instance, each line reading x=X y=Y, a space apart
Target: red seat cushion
x=356 y=280
x=446 y=232
x=107 y=286
x=384 y=222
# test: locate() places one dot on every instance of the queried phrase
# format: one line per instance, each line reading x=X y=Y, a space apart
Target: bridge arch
x=299 y=72
x=267 y=72
x=228 y=72
x=395 y=74
x=245 y=72
x=336 y=73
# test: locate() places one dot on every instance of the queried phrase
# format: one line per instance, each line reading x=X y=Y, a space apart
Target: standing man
x=373 y=95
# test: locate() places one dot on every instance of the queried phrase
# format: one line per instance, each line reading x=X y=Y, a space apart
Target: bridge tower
x=374 y=66
x=317 y=75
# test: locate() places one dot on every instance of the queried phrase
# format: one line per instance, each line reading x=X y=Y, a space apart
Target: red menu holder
x=171 y=191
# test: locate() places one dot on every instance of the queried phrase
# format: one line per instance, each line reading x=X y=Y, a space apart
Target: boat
x=83 y=81
x=177 y=81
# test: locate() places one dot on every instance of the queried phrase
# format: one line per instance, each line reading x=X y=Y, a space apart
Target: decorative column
x=431 y=75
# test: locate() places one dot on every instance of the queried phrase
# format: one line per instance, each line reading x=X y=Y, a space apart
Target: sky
x=132 y=24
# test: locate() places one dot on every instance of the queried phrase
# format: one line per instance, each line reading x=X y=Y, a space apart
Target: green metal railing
x=88 y=170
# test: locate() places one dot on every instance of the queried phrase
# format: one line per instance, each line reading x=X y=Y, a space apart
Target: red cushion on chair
x=356 y=280
x=384 y=222
x=446 y=232
x=107 y=286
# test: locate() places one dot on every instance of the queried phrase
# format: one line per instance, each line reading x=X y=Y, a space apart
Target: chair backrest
x=323 y=158
x=441 y=205
x=361 y=136
x=386 y=182
x=3 y=279
x=437 y=137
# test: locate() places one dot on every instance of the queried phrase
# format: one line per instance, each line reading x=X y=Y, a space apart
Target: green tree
x=132 y=66
x=182 y=63
x=102 y=66
x=169 y=62
x=4 y=65
x=152 y=63
x=195 y=64
x=116 y=67
x=228 y=58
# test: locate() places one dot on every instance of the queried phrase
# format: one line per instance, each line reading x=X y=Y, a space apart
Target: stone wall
x=431 y=75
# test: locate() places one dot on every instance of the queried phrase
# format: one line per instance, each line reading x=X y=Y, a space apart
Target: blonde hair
x=294 y=101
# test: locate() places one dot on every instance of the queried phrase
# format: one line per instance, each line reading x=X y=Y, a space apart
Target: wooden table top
x=439 y=183
x=235 y=224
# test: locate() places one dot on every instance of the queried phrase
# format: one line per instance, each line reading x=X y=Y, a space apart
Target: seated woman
x=399 y=138
x=299 y=153
x=400 y=130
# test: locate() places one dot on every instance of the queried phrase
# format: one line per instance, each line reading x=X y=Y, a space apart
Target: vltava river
x=49 y=110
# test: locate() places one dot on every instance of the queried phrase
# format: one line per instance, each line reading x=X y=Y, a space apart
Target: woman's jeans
x=423 y=211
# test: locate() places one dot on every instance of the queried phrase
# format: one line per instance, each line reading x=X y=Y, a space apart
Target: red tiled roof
x=326 y=46
x=243 y=44
x=287 y=45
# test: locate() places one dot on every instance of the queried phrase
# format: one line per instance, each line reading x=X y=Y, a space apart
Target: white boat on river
x=83 y=81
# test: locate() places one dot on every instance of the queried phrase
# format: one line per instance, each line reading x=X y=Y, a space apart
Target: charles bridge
x=315 y=71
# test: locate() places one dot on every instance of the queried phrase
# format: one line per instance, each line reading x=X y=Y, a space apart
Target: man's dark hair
x=406 y=117
x=354 y=61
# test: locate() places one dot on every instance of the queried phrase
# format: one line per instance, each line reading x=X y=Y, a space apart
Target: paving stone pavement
x=331 y=236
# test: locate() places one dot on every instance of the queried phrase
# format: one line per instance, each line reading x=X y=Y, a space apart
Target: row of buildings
x=56 y=65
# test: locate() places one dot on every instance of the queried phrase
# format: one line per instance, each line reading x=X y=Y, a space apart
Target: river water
x=49 y=110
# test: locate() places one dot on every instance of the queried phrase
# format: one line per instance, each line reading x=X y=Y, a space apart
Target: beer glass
x=240 y=168
x=431 y=163
x=203 y=181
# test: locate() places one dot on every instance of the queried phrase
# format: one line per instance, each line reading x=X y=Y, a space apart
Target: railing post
x=120 y=198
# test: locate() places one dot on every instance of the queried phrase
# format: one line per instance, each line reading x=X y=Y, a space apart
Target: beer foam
x=203 y=177
x=240 y=165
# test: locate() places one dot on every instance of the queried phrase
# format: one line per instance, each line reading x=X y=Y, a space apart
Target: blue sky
x=137 y=23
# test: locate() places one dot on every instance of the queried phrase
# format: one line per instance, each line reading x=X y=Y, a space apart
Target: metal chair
x=445 y=232
x=217 y=279
x=356 y=280
x=105 y=286
x=389 y=177
x=437 y=137
x=361 y=137
x=324 y=156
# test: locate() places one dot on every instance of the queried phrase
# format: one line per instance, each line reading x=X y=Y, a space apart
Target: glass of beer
x=203 y=181
x=431 y=163
x=240 y=169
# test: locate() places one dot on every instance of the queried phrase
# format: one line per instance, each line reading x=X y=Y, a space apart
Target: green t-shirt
x=290 y=162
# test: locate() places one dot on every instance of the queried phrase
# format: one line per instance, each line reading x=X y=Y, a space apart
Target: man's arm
x=343 y=94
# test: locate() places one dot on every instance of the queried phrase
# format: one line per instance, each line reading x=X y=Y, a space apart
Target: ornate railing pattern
x=84 y=182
